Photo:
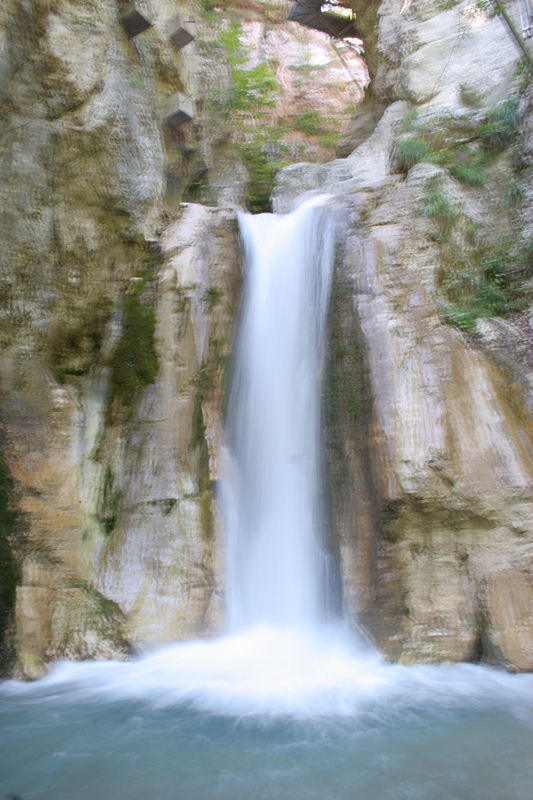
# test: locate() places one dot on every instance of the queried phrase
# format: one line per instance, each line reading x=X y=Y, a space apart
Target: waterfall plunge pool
x=267 y=713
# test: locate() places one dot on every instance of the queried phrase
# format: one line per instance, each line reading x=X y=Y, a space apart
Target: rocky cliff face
x=108 y=333
x=118 y=306
x=429 y=438
x=118 y=310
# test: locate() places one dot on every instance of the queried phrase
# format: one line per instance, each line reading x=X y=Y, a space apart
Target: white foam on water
x=271 y=671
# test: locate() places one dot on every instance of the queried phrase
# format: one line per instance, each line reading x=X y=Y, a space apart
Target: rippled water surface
x=267 y=714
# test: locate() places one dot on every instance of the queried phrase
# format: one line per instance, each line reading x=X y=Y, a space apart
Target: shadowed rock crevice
x=312 y=14
x=350 y=488
x=9 y=570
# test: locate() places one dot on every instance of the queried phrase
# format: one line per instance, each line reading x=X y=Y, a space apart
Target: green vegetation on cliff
x=198 y=445
x=412 y=151
x=487 y=283
x=252 y=87
x=253 y=91
x=463 y=161
x=501 y=126
x=261 y=169
x=438 y=208
x=477 y=278
x=474 y=149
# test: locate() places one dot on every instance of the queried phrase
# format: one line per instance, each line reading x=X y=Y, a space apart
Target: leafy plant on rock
x=412 y=151
x=438 y=208
x=501 y=126
x=492 y=287
x=253 y=89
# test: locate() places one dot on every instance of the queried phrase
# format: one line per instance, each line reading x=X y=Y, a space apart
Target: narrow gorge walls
x=120 y=296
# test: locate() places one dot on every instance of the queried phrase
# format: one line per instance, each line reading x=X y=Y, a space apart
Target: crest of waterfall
x=277 y=566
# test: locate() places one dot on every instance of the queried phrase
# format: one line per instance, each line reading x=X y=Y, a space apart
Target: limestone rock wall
x=449 y=447
x=90 y=178
x=428 y=426
x=162 y=563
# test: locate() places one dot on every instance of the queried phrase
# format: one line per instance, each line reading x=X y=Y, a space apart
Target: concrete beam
x=134 y=21
x=181 y=32
x=178 y=110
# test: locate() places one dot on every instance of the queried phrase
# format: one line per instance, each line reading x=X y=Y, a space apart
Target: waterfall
x=283 y=655
x=276 y=564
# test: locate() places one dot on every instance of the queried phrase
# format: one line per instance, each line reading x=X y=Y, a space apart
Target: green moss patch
x=470 y=97
x=256 y=154
x=134 y=364
x=74 y=344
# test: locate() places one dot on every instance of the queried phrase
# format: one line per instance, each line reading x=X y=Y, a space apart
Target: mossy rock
x=135 y=363
x=74 y=344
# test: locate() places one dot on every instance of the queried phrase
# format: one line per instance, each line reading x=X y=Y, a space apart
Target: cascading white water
x=276 y=563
